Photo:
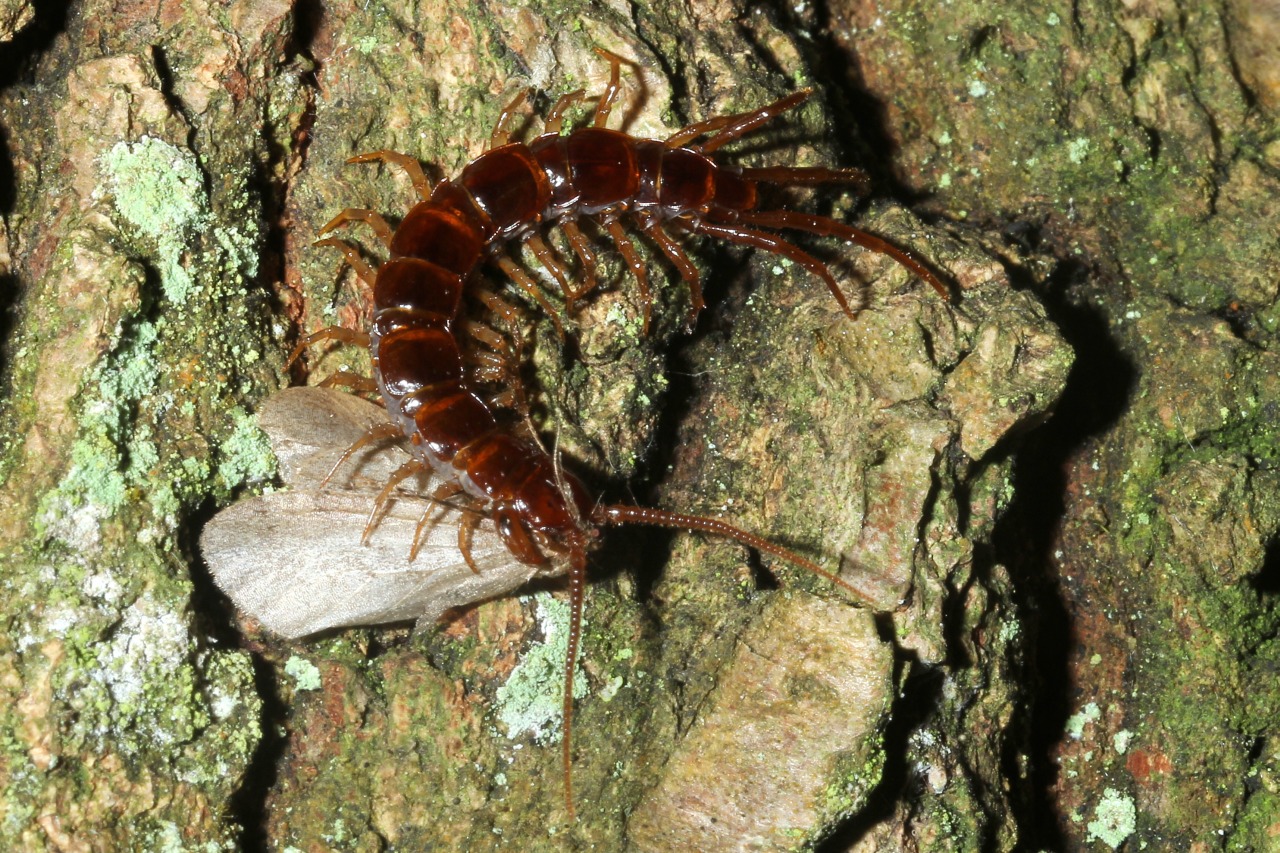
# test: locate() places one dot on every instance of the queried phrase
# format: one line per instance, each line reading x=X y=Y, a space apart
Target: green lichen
x=246 y=452
x=531 y=700
x=1115 y=819
x=304 y=673
x=107 y=458
x=854 y=775
x=1090 y=713
x=159 y=191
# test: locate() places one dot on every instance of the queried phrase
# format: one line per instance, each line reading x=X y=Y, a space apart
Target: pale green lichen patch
x=107 y=458
x=130 y=449
x=159 y=191
x=1115 y=819
x=531 y=700
x=304 y=673
x=113 y=691
x=1088 y=714
x=247 y=454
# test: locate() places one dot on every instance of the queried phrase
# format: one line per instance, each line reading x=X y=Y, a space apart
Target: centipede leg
x=638 y=269
x=548 y=259
x=439 y=495
x=502 y=127
x=502 y=365
x=683 y=264
x=605 y=105
x=555 y=118
x=488 y=336
x=772 y=243
x=352 y=257
x=465 y=531
x=586 y=257
x=690 y=132
x=404 y=472
x=359 y=214
x=748 y=122
x=340 y=334
x=376 y=433
x=410 y=165
x=526 y=283
x=826 y=227
x=733 y=123
x=487 y=366
x=347 y=379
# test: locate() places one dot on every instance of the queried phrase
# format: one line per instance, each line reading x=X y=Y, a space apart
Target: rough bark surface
x=1073 y=638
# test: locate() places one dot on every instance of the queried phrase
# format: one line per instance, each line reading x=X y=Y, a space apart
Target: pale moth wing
x=292 y=559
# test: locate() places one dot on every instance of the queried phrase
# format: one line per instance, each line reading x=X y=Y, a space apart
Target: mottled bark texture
x=1073 y=637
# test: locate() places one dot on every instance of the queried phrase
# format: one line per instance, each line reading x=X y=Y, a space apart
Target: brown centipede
x=435 y=371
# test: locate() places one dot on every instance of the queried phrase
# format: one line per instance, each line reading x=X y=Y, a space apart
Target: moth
x=293 y=559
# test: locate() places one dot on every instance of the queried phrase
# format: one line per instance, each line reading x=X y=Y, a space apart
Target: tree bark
x=1071 y=614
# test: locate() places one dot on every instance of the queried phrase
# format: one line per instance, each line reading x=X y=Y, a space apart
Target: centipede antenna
x=748 y=122
x=577 y=592
x=619 y=514
x=824 y=226
x=758 y=239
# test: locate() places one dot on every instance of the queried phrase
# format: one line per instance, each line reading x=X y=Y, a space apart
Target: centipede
x=451 y=384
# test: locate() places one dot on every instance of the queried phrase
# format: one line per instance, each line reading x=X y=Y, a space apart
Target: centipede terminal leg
x=410 y=166
x=797 y=176
x=824 y=226
x=772 y=243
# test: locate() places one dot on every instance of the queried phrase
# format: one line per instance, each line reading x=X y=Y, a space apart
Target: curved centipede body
x=435 y=370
